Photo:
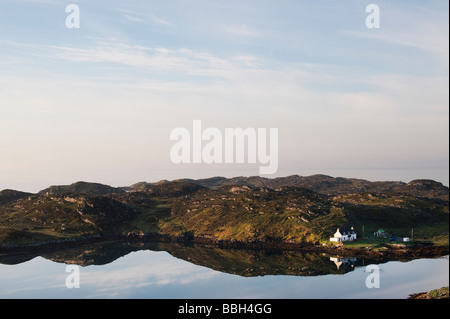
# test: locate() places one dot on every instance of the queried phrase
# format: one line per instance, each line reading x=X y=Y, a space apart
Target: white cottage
x=344 y=235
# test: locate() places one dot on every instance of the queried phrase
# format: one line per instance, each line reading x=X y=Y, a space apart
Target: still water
x=175 y=271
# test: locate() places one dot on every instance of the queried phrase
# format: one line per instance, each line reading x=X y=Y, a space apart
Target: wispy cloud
x=421 y=28
x=161 y=21
x=130 y=73
x=278 y=84
x=133 y=18
x=182 y=60
x=434 y=42
x=142 y=17
x=242 y=30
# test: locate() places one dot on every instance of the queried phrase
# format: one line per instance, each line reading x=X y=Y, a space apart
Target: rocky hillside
x=292 y=209
x=424 y=188
x=294 y=214
x=35 y=219
x=322 y=184
x=9 y=195
x=166 y=188
x=248 y=213
x=81 y=188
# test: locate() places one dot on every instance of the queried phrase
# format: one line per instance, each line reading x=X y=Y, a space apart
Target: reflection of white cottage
x=344 y=235
x=343 y=261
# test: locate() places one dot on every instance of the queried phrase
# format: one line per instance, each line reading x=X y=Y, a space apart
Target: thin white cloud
x=161 y=21
x=151 y=58
x=285 y=85
x=119 y=53
x=142 y=17
x=242 y=30
x=432 y=42
x=248 y=60
x=133 y=18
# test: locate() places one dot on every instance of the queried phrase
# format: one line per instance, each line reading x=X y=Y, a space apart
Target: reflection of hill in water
x=251 y=263
x=241 y=262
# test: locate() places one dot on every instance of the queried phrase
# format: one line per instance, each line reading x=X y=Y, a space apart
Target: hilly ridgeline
x=291 y=209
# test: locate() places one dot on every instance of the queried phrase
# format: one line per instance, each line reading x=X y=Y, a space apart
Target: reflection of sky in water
x=148 y=274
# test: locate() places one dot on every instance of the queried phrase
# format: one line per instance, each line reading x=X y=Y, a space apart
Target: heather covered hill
x=290 y=209
x=424 y=188
x=35 y=219
x=319 y=183
x=294 y=214
x=81 y=188
x=246 y=213
x=166 y=188
x=9 y=195
x=322 y=184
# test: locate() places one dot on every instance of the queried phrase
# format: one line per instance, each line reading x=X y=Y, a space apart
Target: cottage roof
x=344 y=232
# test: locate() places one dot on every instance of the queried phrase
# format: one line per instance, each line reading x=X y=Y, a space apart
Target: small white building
x=344 y=235
x=403 y=239
x=380 y=233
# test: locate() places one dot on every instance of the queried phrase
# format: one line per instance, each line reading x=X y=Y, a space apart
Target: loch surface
x=172 y=271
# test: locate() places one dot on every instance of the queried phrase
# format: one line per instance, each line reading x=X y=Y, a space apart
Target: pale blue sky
x=98 y=103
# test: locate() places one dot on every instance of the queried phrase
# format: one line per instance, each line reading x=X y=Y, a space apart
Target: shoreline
x=407 y=252
x=440 y=293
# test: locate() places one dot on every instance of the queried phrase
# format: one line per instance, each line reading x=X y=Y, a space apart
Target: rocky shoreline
x=398 y=252
x=441 y=293
x=416 y=251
